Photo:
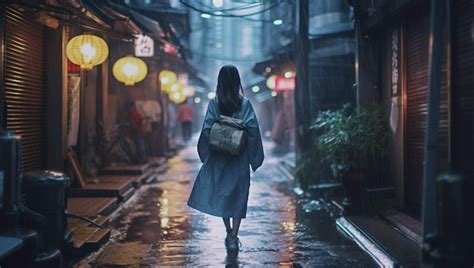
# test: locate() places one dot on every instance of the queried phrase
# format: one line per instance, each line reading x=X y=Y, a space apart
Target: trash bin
x=45 y=193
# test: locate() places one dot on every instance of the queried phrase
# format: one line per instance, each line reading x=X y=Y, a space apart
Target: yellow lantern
x=271 y=82
x=175 y=87
x=129 y=70
x=167 y=78
x=87 y=50
x=177 y=97
x=188 y=91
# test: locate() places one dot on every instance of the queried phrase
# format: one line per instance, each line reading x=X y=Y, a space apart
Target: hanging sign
x=395 y=62
x=144 y=46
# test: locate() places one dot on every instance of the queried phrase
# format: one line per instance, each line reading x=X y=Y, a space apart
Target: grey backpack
x=228 y=135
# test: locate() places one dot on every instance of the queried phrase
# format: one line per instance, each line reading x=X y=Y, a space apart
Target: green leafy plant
x=352 y=138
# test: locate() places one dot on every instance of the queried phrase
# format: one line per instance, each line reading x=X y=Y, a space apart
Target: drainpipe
x=430 y=198
x=302 y=97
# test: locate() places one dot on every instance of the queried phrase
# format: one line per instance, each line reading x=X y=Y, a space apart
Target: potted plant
x=354 y=142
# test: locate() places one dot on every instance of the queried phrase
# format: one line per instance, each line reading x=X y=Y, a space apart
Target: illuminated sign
x=279 y=83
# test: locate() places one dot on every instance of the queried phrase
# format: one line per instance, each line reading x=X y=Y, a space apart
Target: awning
x=149 y=27
x=279 y=60
x=119 y=22
x=78 y=6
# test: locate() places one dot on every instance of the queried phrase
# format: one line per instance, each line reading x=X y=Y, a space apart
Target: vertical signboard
x=395 y=50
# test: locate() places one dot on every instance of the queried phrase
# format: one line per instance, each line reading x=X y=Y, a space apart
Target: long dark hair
x=229 y=90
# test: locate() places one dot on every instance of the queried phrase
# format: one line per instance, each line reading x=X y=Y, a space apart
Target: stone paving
x=157 y=228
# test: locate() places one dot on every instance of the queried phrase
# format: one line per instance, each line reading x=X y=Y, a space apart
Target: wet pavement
x=157 y=228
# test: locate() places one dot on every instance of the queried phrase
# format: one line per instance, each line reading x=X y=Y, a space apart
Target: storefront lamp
x=129 y=70
x=87 y=51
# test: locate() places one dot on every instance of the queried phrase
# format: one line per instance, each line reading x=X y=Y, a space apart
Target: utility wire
x=224 y=14
x=248 y=6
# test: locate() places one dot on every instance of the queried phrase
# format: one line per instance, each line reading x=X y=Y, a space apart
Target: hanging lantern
x=87 y=50
x=129 y=70
x=188 y=91
x=177 y=97
x=167 y=78
x=176 y=87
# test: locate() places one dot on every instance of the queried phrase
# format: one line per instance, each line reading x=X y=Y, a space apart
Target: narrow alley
x=157 y=228
x=340 y=132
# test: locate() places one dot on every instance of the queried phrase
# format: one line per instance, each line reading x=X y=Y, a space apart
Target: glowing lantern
x=129 y=70
x=176 y=87
x=188 y=91
x=177 y=97
x=167 y=78
x=87 y=50
x=271 y=82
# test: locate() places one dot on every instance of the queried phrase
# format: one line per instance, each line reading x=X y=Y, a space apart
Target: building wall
x=393 y=67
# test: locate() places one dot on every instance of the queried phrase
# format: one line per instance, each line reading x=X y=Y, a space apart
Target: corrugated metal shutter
x=24 y=85
x=417 y=34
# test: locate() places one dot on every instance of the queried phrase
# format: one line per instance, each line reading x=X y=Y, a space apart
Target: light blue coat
x=222 y=185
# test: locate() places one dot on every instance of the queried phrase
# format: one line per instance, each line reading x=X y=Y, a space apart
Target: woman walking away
x=222 y=185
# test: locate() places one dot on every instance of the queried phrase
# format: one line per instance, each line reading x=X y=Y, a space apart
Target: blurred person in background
x=185 y=117
x=137 y=132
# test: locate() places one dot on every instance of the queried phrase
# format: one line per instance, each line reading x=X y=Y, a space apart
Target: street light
x=87 y=50
x=205 y=16
x=278 y=22
x=255 y=89
x=129 y=70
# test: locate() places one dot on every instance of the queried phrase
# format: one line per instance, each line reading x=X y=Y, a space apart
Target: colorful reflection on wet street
x=157 y=228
